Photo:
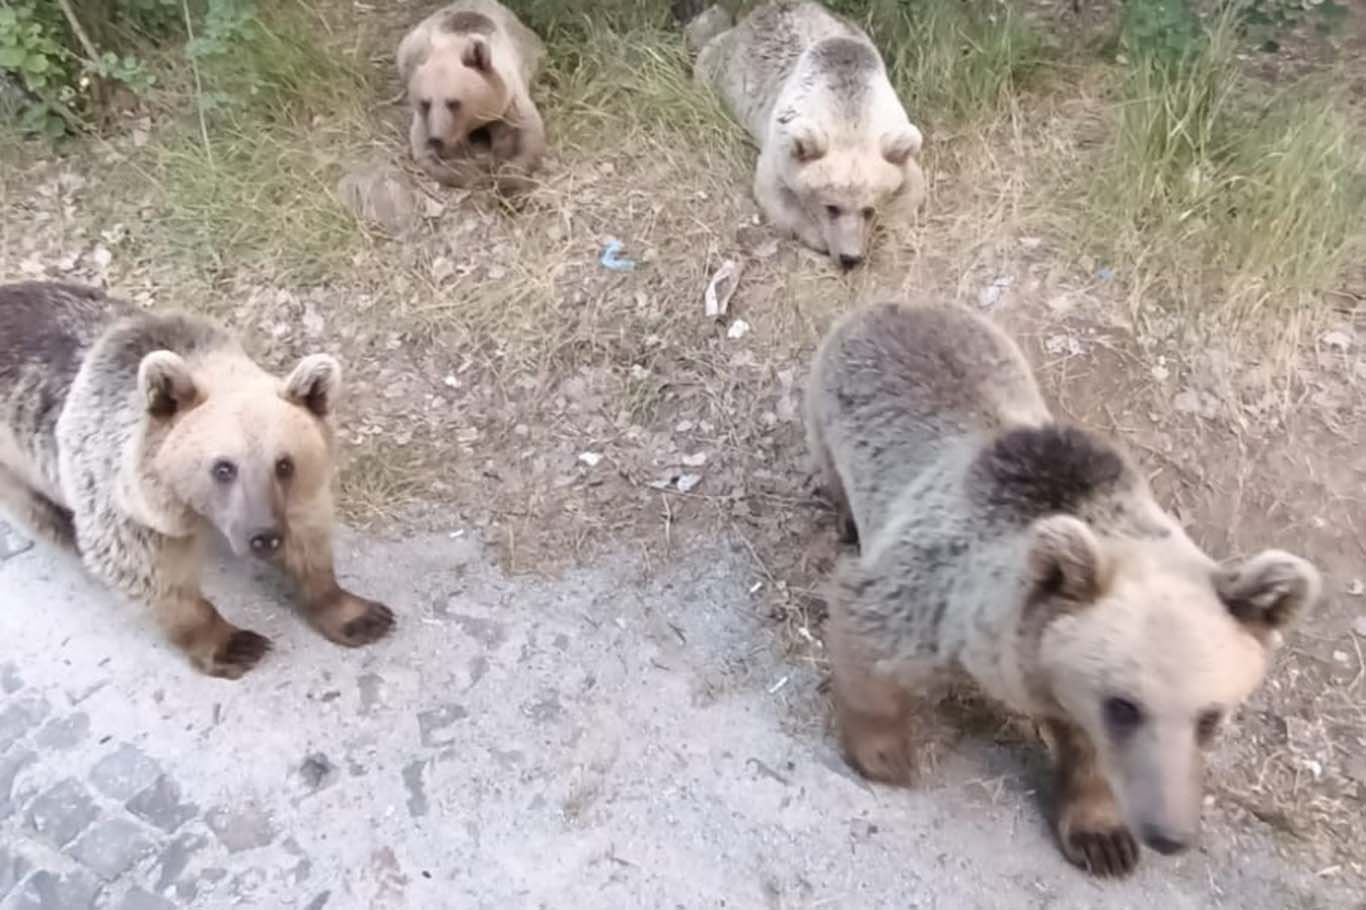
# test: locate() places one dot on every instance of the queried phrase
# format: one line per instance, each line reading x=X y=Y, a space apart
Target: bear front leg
x=518 y=144
x=873 y=713
x=1089 y=822
x=213 y=645
x=340 y=616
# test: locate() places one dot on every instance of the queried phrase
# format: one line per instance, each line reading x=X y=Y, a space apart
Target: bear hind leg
x=36 y=513
x=1088 y=821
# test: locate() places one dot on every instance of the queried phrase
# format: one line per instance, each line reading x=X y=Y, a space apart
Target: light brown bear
x=468 y=70
x=1030 y=556
x=836 y=149
x=125 y=437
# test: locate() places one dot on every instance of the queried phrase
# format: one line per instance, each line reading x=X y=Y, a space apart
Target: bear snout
x=265 y=542
x=436 y=144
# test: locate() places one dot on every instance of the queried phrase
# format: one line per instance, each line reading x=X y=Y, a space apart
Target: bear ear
x=807 y=144
x=899 y=146
x=314 y=384
x=166 y=384
x=1269 y=590
x=1065 y=559
x=478 y=55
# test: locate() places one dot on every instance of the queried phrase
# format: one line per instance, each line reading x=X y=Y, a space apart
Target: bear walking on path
x=836 y=149
x=126 y=436
x=1030 y=556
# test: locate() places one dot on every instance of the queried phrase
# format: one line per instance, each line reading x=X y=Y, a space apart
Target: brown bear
x=1031 y=557
x=468 y=69
x=126 y=436
x=837 y=151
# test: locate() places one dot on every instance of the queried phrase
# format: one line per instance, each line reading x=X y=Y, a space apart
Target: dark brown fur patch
x=32 y=330
x=1030 y=472
x=128 y=343
x=466 y=22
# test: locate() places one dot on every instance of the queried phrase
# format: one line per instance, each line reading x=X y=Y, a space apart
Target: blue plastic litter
x=612 y=259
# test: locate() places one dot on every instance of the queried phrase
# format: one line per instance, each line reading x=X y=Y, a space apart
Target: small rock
x=1356 y=587
x=686 y=483
x=738 y=329
x=379 y=193
x=1337 y=340
x=695 y=461
x=317 y=771
x=592 y=459
x=1340 y=657
x=49 y=891
x=101 y=257
x=1359 y=627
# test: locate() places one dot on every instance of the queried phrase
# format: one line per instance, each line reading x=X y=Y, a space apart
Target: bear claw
x=242 y=651
x=377 y=622
x=1110 y=853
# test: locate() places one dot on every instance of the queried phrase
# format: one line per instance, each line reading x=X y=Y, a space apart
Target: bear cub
x=1031 y=557
x=467 y=70
x=127 y=437
x=836 y=149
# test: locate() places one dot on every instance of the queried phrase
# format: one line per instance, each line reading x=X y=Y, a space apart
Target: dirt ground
x=501 y=378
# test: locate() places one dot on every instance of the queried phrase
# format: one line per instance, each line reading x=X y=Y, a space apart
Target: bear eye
x=1122 y=715
x=1208 y=724
x=224 y=471
x=425 y=105
x=453 y=105
x=833 y=211
x=868 y=213
x=284 y=467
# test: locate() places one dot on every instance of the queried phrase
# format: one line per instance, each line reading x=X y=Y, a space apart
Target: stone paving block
x=62 y=812
x=11 y=763
x=161 y=805
x=10 y=681
x=175 y=858
x=63 y=733
x=433 y=724
x=243 y=827
x=124 y=773
x=13 y=868
x=49 y=891
x=20 y=716
x=138 y=899
x=110 y=848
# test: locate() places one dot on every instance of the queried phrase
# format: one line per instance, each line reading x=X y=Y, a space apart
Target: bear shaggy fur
x=126 y=436
x=467 y=69
x=836 y=149
x=1030 y=556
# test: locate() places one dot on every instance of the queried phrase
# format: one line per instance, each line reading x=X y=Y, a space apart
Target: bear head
x=235 y=446
x=454 y=86
x=842 y=184
x=1148 y=646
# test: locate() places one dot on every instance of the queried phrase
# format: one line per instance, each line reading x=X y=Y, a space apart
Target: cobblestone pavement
x=595 y=742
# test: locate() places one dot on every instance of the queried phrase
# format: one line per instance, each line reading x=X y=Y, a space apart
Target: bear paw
x=239 y=653
x=883 y=756
x=351 y=621
x=377 y=622
x=1108 y=852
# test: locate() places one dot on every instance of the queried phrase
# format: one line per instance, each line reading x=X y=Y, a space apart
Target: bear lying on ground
x=467 y=69
x=836 y=149
x=1031 y=556
x=126 y=436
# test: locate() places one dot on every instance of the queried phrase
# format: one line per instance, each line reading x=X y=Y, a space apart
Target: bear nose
x=848 y=261
x=1164 y=842
x=436 y=143
x=265 y=542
